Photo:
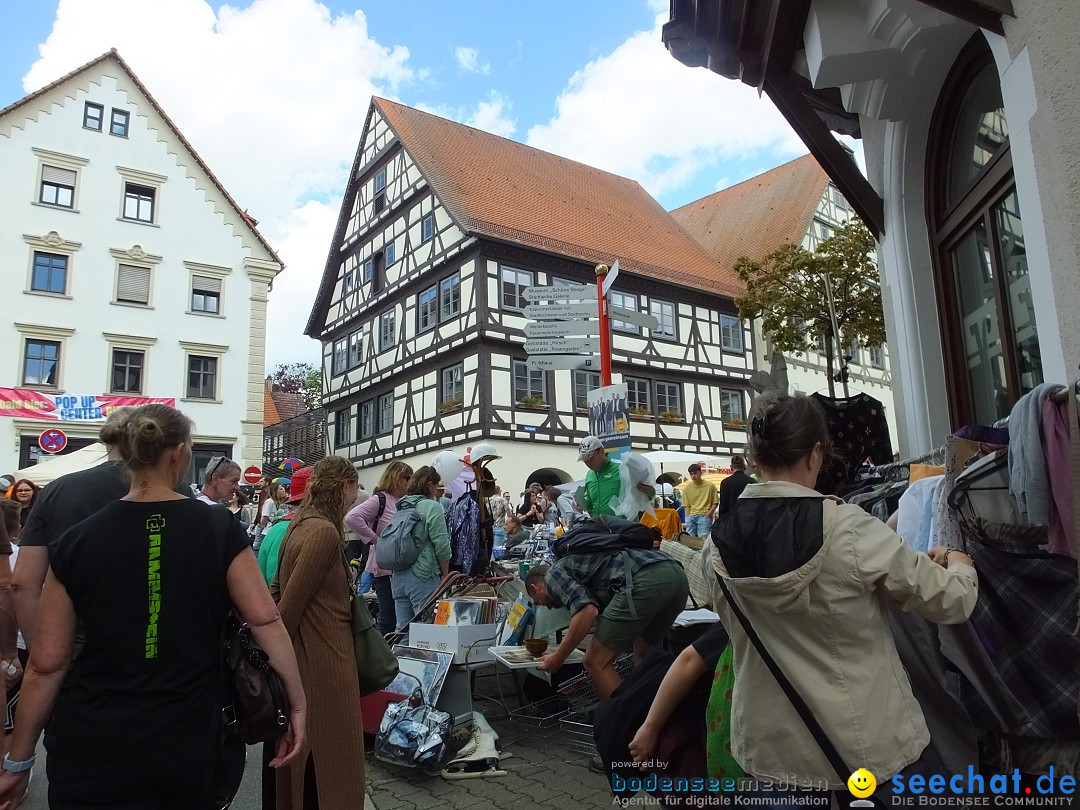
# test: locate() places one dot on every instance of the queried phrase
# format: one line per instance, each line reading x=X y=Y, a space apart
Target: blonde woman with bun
x=313 y=589
x=151 y=577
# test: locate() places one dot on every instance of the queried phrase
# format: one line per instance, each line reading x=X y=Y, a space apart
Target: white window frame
x=634 y=387
x=730 y=326
x=626 y=301
x=128 y=343
x=517 y=275
x=38 y=332
x=148 y=180
x=656 y=309
x=355 y=349
x=727 y=396
x=582 y=385
x=339 y=357
x=380 y=428
x=206 y=271
x=52 y=242
x=368 y=406
x=678 y=389
x=530 y=376
x=449 y=290
x=876 y=356
x=430 y=306
x=134 y=256
x=343 y=427
x=387 y=338
x=209 y=350
x=427 y=227
x=454 y=388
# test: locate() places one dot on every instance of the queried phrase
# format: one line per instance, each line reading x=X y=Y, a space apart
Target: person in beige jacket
x=812 y=574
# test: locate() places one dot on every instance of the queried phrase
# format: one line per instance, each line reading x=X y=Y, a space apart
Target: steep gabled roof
x=504 y=190
x=115 y=57
x=758 y=215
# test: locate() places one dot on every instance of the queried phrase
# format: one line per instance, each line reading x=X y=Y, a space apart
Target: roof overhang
x=757 y=42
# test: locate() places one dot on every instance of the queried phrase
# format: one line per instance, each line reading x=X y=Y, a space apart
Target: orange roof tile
x=112 y=54
x=270 y=411
x=758 y=215
x=504 y=190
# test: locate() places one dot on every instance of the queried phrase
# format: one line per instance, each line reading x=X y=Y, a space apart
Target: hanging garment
x=1027 y=465
x=858 y=430
x=1055 y=437
x=1024 y=617
x=916 y=512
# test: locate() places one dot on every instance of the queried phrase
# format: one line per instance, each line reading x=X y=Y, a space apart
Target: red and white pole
x=605 y=325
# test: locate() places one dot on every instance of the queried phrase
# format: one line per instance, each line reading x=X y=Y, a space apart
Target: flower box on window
x=640 y=410
x=671 y=416
x=735 y=424
x=449 y=406
x=531 y=401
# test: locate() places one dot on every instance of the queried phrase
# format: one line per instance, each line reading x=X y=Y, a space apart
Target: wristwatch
x=11 y=766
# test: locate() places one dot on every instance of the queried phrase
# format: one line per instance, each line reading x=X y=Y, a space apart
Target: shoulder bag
x=376 y=664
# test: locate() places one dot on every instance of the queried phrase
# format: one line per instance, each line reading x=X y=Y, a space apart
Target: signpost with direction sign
x=565 y=292
x=643 y=319
x=562 y=345
x=551 y=312
x=542 y=329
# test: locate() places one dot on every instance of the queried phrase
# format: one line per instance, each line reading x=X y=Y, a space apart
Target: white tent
x=49 y=470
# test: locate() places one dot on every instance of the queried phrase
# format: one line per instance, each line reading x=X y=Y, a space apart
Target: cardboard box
x=468 y=643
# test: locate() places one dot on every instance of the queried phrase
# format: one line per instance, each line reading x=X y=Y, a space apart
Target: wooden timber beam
x=836 y=161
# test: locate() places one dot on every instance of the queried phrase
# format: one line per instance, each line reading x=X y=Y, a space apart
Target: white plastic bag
x=634 y=469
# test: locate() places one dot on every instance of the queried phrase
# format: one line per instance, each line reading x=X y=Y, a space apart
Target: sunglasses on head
x=217 y=467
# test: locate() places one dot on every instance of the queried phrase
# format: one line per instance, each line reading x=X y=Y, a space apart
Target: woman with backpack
x=414 y=585
x=368 y=520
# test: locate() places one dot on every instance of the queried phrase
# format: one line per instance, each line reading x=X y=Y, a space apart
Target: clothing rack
x=899 y=470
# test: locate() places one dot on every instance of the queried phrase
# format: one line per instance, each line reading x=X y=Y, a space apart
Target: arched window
x=991 y=346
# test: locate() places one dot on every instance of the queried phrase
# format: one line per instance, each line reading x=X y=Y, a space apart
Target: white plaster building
x=968 y=114
x=794 y=203
x=127 y=270
x=420 y=310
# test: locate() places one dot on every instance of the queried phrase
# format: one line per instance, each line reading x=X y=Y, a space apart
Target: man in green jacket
x=602 y=481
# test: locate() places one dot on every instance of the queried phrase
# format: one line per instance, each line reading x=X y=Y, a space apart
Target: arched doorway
x=549 y=477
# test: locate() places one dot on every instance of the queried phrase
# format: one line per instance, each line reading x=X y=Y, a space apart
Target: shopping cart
x=576 y=723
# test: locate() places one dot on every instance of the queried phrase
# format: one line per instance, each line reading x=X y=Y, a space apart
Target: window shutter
x=62 y=177
x=133 y=284
x=204 y=284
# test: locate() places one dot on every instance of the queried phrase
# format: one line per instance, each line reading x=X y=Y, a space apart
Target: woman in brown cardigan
x=313 y=592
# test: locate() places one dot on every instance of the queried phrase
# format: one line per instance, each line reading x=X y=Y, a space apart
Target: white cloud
x=272 y=96
x=638 y=112
x=468 y=59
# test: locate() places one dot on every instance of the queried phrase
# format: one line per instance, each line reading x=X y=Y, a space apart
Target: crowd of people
x=122 y=580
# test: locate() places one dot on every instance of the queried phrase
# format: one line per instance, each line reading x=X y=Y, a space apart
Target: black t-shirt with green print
x=148 y=584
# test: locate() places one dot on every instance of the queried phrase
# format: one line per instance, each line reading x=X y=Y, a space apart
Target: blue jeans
x=387 y=619
x=699 y=525
x=365 y=582
x=410 y=593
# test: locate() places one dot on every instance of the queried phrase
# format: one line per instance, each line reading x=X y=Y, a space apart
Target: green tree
x=300 y=378
x=791 y=289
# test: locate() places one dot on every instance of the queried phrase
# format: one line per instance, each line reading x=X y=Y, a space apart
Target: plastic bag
x=414 y=734
x=634 y=469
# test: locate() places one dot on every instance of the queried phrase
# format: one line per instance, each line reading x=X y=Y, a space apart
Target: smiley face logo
x=862 y=783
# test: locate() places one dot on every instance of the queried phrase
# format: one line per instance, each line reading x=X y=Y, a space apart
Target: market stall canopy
x=50 y=469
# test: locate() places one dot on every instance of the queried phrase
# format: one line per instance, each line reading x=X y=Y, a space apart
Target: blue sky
x=273 y=92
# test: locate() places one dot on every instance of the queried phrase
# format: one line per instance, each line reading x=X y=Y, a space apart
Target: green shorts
x=659 y=592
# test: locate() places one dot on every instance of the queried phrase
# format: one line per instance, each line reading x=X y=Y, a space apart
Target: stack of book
x=466 y=610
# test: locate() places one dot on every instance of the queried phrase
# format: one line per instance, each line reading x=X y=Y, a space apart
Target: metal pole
x=836 y=334
x=605 y=325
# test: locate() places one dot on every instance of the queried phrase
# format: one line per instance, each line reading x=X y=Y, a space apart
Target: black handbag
x=259 y=708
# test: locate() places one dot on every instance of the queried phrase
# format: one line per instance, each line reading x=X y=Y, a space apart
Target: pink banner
x=26 y=404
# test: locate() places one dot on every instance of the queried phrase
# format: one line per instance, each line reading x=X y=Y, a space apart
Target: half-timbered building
x=795 y=203
x=420 y=308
